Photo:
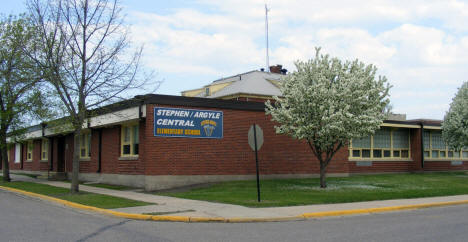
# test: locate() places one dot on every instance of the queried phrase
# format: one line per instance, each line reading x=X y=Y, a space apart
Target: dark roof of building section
x=170 y=100
x=242 y=105
x=201 y=102
x=207 y=103
x=433 y=122
x=215 y=103
x=430 y=122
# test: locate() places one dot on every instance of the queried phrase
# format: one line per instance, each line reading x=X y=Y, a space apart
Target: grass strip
x=291 y=192
x=85 y=198
x=106 y=186
x=109 y=186
x=25 y=174
x=170 y=212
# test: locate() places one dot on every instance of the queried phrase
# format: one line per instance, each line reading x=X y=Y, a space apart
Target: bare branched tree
x=86 y=56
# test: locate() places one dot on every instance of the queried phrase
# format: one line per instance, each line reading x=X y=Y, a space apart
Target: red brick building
x=124 y=144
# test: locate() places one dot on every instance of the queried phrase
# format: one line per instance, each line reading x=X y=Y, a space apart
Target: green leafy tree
x=20 y=97
x=85 y=55
x=455 y=125
x=328 y=102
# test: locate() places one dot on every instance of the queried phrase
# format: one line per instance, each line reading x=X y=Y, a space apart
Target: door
x=61 y=154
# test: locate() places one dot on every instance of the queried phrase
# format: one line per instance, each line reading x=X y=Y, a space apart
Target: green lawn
x=25 y=174
x=85 y=198
x=290 y=192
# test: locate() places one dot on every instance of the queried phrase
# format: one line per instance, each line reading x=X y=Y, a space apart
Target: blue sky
x=421 y=46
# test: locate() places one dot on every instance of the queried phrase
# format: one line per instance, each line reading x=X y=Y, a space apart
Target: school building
x=160 y=141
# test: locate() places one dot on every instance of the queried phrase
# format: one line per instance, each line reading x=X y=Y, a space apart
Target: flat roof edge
x=202 y=102
x=415 y=122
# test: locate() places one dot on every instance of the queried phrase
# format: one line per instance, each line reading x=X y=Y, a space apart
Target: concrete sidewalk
x=194 y=208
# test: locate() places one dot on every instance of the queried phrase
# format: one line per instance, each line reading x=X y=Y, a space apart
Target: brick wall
x=382 y=166
x=111 y=161
x=68 y=154
x=91 y=165
x=444 y=166
x=11 y=162
x=232 y=155
x=34 y=164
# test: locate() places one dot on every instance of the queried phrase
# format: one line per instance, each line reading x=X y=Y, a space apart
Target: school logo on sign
x=193 y=123
x=209 y=126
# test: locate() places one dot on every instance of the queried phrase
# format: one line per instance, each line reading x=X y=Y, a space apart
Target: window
x=465 y=153
x=44 y=149
x=401 y=142
x=85 y=144
x=381 y=142
x=130 y=140
x=435 y=147
x=362 y=147
x=386 y=143
x=30 y=145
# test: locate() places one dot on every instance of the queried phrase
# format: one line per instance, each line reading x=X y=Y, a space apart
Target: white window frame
x=30 y=142
x=85 y=144
x=131 y=142
x=44 y=149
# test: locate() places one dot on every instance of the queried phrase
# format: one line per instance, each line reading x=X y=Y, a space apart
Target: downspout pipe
x=100 y=152
x=422 y=145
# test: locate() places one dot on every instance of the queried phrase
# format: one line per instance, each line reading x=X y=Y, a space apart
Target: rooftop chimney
x=276 y=69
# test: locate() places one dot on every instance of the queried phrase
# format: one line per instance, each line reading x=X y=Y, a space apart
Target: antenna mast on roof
x=266 y=39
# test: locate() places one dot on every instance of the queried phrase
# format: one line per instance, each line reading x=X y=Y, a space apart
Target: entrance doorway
x=61 y=154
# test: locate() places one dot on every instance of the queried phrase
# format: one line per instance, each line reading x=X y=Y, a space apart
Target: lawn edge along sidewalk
x=303 y=216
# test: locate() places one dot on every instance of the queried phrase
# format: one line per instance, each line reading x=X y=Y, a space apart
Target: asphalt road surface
x=30 y=219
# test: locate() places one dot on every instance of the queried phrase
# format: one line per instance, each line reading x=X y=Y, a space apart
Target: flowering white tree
x=455 y=125
x=327 y=102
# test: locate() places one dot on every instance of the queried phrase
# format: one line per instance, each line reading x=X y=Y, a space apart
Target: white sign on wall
x=17 y=153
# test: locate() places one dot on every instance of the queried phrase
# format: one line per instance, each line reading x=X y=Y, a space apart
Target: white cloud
x=190 y=50
x=421 y=46
x=429 y=46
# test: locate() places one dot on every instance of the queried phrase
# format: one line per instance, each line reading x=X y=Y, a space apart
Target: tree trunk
x=4 y=156
x=76 y=162
x=323 y=173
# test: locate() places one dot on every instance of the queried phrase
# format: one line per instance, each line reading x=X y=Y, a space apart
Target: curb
x=188 y=219
x=381 y=209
